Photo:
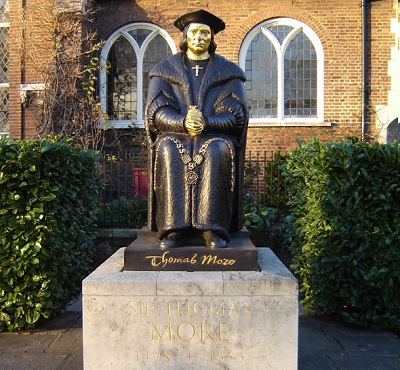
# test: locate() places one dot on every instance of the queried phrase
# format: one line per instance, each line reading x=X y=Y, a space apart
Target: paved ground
x=323 y=345
x=329 y=345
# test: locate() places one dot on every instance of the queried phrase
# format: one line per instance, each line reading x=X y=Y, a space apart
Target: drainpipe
x=23 y=68
x=364 y=67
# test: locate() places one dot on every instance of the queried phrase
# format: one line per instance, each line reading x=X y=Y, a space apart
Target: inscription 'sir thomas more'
x=189 y=321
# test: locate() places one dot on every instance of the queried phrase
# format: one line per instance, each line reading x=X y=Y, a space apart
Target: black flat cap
x=203 y=17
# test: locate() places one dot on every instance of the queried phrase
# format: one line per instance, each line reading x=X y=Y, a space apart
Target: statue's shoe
x=173 y=240
x=213 y=240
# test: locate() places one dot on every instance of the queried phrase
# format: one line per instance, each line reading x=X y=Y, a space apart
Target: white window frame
x=298 y=26
x=5 y=85
x=139 y=51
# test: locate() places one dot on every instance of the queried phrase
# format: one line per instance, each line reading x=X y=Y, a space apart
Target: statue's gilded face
x=198 y=38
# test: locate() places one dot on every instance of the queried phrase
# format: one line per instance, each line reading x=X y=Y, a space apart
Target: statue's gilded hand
x=194 y=121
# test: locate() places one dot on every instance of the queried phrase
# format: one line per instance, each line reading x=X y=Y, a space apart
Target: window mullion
x=139 y=90
x=103 y=87
x=281 y=84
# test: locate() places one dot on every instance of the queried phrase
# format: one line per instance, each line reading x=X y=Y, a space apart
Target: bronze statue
x=196 y=122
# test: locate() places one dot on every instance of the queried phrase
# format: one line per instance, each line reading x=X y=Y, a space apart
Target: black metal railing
x=124 y=196
x=263 y=179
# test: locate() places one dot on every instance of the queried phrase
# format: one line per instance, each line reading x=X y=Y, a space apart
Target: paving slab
x=26 y=342
x=53 y=345
x=314 y=345
x=32 y=361
x=332 y=345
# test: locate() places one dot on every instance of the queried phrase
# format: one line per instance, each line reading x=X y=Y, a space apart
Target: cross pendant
x=197 y=67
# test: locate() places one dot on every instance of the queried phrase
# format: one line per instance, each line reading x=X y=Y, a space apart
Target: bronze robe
x=195 y=183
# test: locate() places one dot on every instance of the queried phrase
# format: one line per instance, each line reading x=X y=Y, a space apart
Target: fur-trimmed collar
x=173 y=70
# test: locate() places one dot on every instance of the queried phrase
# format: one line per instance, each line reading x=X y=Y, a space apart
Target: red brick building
x=327 y=69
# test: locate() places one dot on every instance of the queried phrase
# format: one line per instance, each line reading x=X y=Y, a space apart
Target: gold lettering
x=156 y=357
x=221 y=309
x=162 y=356
x=142 y=308
x=131 y=305
x=170 y=308
x=221 y=331
x=223 y=357
x=154 y=331
x=150 y=309
x=247 y=308
x=164 y=259
x=206 y=331
x=229 y=357
x=210 y=259
x=234 y=308
x=187 y=331
x=202 y=311
x=157 y=260
x=218 y=358
x=190 y=326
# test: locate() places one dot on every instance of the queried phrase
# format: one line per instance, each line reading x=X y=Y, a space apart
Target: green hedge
x=49 y=194
x=344 y=200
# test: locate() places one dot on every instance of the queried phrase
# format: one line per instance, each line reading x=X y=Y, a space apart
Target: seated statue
x=196 y=122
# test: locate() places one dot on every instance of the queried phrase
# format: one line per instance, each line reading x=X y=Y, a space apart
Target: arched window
x=4 y=61
x=127 y=58
x=393 y=131
x=283 y=61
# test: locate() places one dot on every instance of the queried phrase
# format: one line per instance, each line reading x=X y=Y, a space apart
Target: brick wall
x=15 y=68
x=381 y=42
x=338 y=25
x=31 y=27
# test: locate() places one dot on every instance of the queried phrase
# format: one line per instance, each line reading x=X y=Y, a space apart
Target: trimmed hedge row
x=345 y=208
x=48 y=199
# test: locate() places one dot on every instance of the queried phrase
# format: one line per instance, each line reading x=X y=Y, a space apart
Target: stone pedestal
x=145 y=254
x=190 y=320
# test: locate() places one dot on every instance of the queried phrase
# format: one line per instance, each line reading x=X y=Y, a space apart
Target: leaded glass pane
x=139 y=35
x=280 y=31
x=4 y=55
x=122 y=81
x=3 y=109
x=4 y=11
x=300 y=78
x=156 y=51
x=262 y=81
